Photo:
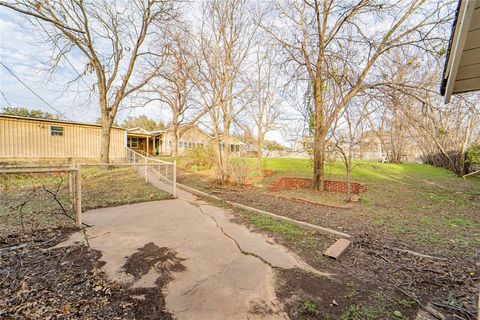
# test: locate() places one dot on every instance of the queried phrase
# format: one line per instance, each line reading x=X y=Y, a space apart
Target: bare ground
x=38 y=281
x=384 y=280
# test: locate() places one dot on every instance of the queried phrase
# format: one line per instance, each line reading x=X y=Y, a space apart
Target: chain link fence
x=36 y=198
x=33 y=198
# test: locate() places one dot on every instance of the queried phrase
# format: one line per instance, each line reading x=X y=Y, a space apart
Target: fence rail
x=35 y=193
x=166 y=171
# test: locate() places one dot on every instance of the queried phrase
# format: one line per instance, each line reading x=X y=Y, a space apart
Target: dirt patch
x=313 y=200
x=375 y=258
x=306 y=296
x=38 y=281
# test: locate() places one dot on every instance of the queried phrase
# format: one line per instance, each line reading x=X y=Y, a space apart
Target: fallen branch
x=414 y=253
x=471 y=174
x=13 y=247
x=430 y=310
x=455 y=308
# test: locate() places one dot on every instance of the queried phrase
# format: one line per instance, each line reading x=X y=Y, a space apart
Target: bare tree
x=347 y=135
x=224 y=43
x=399 y=67
x=443 y=132
x=114 y=37
x=263 y=111
x=173 y=85
x=334 y=46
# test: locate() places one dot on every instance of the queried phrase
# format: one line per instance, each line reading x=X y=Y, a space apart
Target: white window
x=132 y=142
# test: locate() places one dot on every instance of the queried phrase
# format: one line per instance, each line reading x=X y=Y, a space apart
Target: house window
x=132 y=142
x=56 y=131
x=190 y=145
x=170 y=143
x=237 y=148
x=180 y=144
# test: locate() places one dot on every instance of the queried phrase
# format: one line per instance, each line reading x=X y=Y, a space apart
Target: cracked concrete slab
x=229 y=270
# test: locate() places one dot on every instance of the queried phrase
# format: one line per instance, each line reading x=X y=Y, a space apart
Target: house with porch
x=159 y=142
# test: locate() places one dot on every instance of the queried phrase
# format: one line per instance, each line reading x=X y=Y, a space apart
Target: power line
x=65 y=56
x=26 y=86
x=4 y=97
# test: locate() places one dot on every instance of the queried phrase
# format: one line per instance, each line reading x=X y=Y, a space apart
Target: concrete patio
x=229 y=270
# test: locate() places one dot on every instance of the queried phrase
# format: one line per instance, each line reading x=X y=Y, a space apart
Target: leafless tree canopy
x=115 y=38
x=346 y=66
x=335 y=47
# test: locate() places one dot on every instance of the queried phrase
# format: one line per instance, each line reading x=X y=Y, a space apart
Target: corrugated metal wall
x=25 y=138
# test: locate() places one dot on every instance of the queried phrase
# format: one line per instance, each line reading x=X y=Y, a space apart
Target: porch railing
x=165 y=171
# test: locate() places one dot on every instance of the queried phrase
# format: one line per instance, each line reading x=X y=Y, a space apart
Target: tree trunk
x=349 y=174
x=259 y=153
x=105 y=144
x=226 y=148
x=319 y=142
x=318 y=162
x=220 y=159
x=174 y=148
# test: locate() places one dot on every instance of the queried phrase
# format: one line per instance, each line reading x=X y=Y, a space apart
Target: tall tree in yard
x=173 y=85
x=223 y=45
x=335 y=46
x=115 y=38
x=264 y=106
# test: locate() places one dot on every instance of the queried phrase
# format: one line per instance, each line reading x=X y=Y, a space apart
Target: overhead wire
x=32 y=91
x=5 y=98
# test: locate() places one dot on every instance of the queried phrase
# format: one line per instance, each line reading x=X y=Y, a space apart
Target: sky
x=22 y=51
x=25 y=52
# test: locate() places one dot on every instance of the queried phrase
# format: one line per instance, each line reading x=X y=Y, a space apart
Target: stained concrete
x=229 y=270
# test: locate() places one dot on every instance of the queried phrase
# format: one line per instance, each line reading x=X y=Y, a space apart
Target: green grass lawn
x=426 y=206
x=429 y=205
x=29 y=202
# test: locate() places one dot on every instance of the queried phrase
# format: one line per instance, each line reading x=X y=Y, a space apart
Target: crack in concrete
x=236 y=242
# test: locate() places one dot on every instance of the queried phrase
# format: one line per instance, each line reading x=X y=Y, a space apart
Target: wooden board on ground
x=338 y=248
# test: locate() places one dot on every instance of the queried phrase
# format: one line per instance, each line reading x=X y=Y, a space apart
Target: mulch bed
x=311 y=202
x=38 y=281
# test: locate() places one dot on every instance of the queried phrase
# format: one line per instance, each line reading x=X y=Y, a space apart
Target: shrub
x=200 y=158
x=239 y=169
x=473 y=154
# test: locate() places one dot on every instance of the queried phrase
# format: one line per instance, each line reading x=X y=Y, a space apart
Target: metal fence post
x=78 y=195
x=71 y=192
x=174 y=178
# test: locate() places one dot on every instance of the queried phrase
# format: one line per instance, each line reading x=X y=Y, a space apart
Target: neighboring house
x=372 y=148
x=159 y=142
x=462 y=65
x=30 y=139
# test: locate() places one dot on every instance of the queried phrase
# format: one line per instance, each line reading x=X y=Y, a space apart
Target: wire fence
x=40 y=197
x=33 y=198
